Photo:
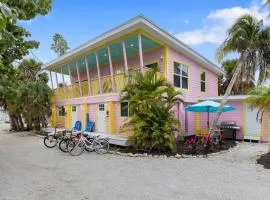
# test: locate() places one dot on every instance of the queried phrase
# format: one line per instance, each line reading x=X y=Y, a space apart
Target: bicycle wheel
x=63 y=144
x=101 y=146
x=50 y=141
x=76 y=148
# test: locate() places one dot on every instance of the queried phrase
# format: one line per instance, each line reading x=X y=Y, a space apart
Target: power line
x=35 y=56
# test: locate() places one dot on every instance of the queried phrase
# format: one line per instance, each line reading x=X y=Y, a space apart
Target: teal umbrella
x=209 y=107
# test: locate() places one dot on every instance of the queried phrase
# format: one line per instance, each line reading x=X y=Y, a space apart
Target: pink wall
x=236 y=116
x=194 y=93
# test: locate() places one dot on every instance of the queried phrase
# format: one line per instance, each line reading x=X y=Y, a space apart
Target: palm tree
x=241 y=86
x=249 y=38
x=260 y=97
x=152 y=120
x=59 y=44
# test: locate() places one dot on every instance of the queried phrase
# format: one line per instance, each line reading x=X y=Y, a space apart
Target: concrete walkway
x=30 y=171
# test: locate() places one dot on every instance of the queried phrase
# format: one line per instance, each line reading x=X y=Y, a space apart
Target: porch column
x=64 y=85
x=79 y=78
x=125 y=60
x=88 y=77
x=111 y=69
x=140 y=52
x=71 y=81
x=51 y=79
x=98 y=71
x=56 y=80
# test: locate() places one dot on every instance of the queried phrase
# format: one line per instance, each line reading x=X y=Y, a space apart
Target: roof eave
x=139 y=22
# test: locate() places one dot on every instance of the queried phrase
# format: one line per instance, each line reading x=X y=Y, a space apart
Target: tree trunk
x=21 y=122
x=227 y=93
x=14 y=123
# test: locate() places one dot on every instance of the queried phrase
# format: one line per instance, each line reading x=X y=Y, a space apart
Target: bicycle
x=52 y=139
x=89 y=143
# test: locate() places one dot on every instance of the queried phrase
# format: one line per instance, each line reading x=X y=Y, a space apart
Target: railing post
x=72 y=89
x=98 y=71
x=88 y=77
x=125 y=60
x=56 y=79
x=51 y=79
x=64 y=85
x=79 y=78
x=140 y=52
x=111 y=69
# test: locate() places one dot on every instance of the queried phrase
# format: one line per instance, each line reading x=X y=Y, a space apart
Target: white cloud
x=217 y=23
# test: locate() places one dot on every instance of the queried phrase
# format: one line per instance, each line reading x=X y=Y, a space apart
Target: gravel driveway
x=30 y=171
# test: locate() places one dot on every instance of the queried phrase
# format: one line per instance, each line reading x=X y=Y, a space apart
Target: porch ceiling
x=132 y=49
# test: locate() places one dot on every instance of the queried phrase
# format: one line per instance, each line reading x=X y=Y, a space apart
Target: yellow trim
x=111 y=119
x=69 y=116
x=53 y=116
x=188 y=65
x=198 y=121
x=269 y=126
x=151 y=37
x=166 y=60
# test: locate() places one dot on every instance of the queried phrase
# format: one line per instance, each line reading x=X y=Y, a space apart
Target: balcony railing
x=68 y=92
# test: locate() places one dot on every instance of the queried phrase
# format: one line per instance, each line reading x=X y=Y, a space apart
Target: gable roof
x=142 y=23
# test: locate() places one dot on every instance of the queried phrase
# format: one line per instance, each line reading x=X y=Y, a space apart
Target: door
x=253 y=127
x=101 y=122
x=74 y=114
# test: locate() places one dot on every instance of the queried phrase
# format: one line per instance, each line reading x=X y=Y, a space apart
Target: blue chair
x=89 y=126
x=77 y=127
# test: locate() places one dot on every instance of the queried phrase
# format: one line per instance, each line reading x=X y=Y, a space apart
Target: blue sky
x=200 y=24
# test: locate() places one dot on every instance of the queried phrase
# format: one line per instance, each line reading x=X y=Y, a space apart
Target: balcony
x=105 y=69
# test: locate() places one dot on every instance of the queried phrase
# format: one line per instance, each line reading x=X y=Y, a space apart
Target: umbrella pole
x=208 y=117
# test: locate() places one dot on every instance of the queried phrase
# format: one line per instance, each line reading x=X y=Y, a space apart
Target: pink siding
x=194 y=93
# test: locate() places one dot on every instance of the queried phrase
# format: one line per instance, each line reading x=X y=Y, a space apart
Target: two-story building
x=99 y=69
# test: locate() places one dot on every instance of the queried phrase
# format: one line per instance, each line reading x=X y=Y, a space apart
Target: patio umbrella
x=209 y=107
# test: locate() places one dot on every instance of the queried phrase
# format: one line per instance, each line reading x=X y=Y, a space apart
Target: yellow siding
x=76 y=90
x=95 y=87
x=120 y=82
x=53 y=116
x=84 y=86
x=111 y=115
x=68 y=117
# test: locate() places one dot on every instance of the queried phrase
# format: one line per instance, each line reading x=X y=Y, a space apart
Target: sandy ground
x=30 y=171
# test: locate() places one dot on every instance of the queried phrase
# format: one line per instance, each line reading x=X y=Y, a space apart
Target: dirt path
x=29 y=171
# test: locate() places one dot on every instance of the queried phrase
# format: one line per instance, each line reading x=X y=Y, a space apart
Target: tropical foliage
x=14 y=45
x=151 y=100
x=249 y=38
x=260 y=97
x=59 y=44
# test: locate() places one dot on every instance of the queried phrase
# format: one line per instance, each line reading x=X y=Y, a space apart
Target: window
x=61 y=111
x=203 y=83
x=124 y=109
x=152 y=65
x=101 y=107
x=180 y=75
x=74 y=108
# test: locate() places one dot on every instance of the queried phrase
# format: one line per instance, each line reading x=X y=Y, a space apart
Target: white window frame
x=181 y=75
x=203 y=81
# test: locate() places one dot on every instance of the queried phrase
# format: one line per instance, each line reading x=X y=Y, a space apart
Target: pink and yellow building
x=89 y=78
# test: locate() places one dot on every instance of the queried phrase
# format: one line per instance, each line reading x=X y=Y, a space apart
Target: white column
x=88 y=77
x=111 y=69
x=64 y=85
x=79 y=78
x=125 y=60
x=56 y=80
x=98 y=71
x=51 y=79
x=141 y=52
x=71 y=81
